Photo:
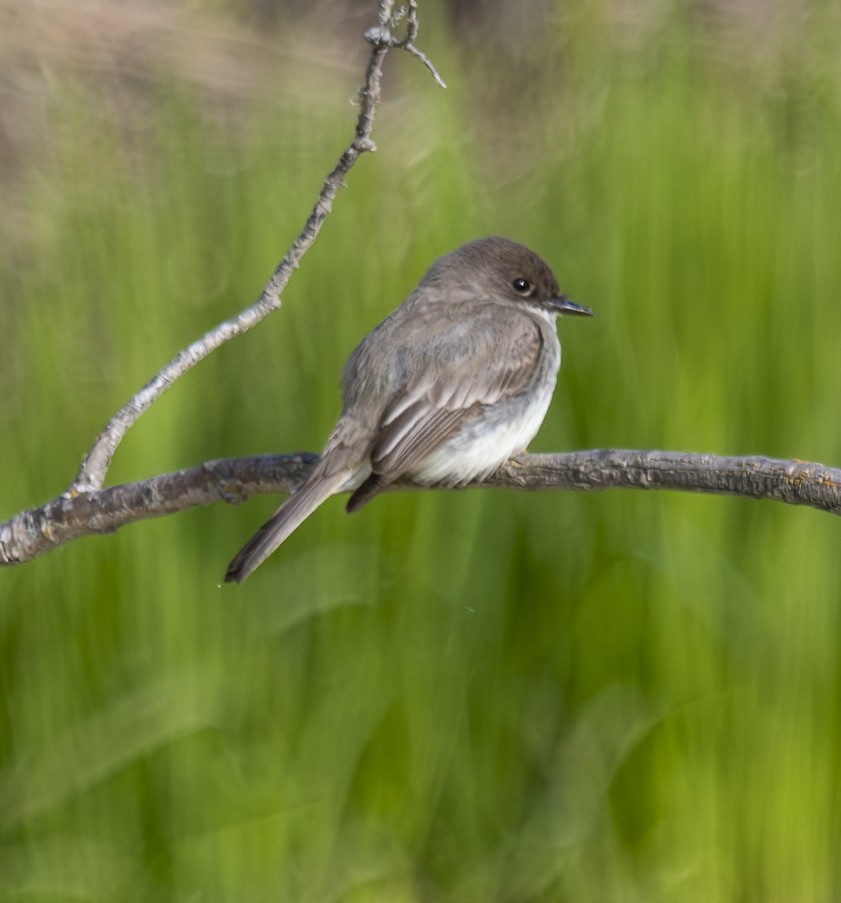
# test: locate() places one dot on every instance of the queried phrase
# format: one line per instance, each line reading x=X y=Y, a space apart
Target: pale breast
x=505 y=429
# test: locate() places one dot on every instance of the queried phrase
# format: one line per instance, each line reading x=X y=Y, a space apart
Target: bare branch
x=95 y=464
x=790 y=481
x=420 y=55
x=86 y=508
x=383 y=32
x=33 y=532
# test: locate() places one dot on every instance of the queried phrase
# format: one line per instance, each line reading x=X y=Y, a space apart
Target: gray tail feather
x=291 y=514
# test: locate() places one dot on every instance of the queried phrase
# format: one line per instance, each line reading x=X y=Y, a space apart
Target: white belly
x=484 y=445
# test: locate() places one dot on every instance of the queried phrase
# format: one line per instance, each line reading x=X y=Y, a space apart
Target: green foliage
x=455 y=696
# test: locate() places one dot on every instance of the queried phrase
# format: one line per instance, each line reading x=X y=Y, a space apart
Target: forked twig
x=34 y=532
x=87 y=508
x=96 y=462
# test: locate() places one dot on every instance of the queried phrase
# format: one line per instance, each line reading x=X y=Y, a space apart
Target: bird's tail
x=291 y=514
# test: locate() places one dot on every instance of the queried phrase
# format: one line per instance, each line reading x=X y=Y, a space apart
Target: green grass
x=458 y=696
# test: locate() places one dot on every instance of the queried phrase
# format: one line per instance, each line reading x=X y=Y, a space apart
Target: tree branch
x=87 y=508
x=95 y=464
x=233 y=480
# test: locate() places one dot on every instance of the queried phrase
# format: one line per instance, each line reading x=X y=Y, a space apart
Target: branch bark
x=33 y=532
x=86 y=508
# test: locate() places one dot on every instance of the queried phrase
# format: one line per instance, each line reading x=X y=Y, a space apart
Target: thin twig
x=86 y=508
x=95 y=464
x=33 y=532
x=383 y=32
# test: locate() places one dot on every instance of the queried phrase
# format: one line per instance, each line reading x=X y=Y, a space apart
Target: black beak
x=563 y=305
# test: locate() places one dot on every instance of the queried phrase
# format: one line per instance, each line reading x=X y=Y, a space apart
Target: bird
x=443 y=391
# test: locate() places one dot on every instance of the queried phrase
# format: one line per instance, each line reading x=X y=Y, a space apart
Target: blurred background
x=451 y=696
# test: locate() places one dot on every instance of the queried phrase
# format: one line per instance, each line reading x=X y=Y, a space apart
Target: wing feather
x=459 y=375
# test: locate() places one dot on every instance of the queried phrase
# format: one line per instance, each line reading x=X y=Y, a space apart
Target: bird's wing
x=465 y=368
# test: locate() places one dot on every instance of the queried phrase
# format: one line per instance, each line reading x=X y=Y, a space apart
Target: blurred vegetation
x=451 y=696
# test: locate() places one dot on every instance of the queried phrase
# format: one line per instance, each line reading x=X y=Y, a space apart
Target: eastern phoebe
x=444 y=391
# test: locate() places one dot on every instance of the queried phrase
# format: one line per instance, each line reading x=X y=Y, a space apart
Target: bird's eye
x=522 y=286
